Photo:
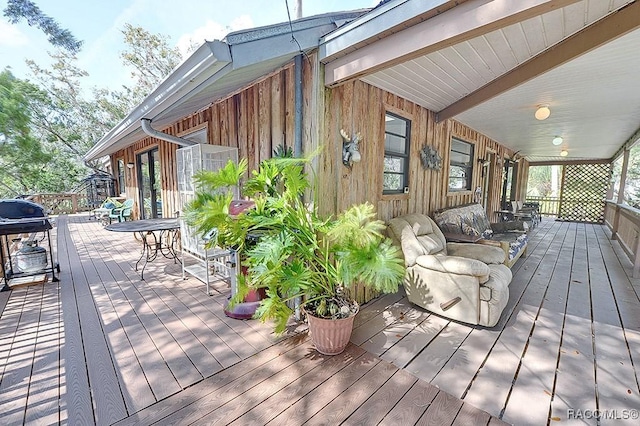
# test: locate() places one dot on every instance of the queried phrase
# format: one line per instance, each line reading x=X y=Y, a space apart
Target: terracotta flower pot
x=330 y=336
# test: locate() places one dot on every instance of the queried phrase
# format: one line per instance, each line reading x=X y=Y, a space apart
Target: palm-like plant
x=298 y=254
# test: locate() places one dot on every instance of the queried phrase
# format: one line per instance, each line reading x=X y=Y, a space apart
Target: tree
x=151 y=58
x=632 y=182
x=22 y=157
x=50 y=123
x=65 y=117
x=539 y=183
x=17 y=10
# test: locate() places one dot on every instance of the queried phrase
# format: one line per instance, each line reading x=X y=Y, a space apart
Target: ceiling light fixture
x=564 y=153
x=557 y=140
x=543 y=112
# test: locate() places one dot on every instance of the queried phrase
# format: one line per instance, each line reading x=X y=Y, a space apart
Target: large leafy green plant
x=297 y=254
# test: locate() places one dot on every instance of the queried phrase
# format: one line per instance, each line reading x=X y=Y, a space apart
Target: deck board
x=534 y=383
x=137 y=393
x=615 y=375
x=374 y=409
x=105 y=388
x=292 y=393
x=104 y=346
x=44 y=383
x=76 y=395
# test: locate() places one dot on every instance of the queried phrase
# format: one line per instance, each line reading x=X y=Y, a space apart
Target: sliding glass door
x=149 y=184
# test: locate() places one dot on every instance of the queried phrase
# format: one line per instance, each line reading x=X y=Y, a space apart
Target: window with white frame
x=397 y=134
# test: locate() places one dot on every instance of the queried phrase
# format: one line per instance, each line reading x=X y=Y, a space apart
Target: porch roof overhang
x=216 y=70
x=490 y=63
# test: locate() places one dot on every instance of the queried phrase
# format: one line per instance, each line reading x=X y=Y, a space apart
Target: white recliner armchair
x=464 y=282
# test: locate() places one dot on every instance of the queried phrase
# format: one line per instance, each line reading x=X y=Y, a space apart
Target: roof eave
x=208 y=60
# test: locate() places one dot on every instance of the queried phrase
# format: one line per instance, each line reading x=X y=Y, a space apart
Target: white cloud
x=212 y=31
x=11 y=35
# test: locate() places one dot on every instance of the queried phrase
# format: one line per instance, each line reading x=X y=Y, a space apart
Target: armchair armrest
x=482 y=252
x=453 y=265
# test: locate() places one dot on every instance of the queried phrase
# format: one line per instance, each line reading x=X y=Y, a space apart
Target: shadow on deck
x=567 y=345
x=102 y=346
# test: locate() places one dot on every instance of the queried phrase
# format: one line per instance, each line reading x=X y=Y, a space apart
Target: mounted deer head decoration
x=350 y=148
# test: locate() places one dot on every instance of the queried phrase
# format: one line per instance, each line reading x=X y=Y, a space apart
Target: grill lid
x=22 y=216
x=20 y=209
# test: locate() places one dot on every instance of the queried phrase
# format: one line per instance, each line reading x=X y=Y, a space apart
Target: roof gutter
x=207 y=60
x=145 y=123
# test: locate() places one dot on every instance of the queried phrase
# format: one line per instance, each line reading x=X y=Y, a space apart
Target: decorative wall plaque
x=430 y=158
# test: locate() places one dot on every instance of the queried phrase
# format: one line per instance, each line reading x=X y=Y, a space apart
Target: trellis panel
x=584 y=190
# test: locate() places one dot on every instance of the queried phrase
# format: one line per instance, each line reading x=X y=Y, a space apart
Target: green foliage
x=282 y=152
x=150 y=58
x=539 y=182
x=23 y=160
x=298 y=254
x=209 y=210
x=17 y=10
x=50 y=123
x=632 y=187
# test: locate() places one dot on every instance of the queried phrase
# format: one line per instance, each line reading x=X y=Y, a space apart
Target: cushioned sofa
x=471 y=219
x=461 y=281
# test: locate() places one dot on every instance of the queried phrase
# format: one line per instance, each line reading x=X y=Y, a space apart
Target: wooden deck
x=103 y=347
x=568 y=340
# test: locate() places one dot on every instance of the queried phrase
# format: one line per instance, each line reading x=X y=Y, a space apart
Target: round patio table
x=158 y=236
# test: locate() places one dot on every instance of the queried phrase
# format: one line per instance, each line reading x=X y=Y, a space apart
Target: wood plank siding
x=255 y=120
x=260 y=117
x=360 y=107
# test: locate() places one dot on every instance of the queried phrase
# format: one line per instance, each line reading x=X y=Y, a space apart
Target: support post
x=74 y=202
x=636 y=260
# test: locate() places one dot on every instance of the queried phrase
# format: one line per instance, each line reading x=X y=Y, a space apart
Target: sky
x=99 y=24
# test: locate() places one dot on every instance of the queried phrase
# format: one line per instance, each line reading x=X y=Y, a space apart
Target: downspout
x=145 y=123
x=297 y=129
x=297 y=132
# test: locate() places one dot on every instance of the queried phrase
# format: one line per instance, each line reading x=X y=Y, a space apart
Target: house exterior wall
x=255 y=120
x=259 y=118
x=359 y=107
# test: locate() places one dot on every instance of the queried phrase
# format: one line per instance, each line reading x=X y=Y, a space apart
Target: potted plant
x=296 y=254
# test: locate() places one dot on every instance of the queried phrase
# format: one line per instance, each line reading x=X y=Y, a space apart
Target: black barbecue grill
x=23 y=217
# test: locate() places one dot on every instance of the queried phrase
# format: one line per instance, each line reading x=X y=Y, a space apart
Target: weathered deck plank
x=576 y=363
x=571 y=323
x=534 y=384
x=103 y=380
x=137 y=393
x=292 y=393
x=76 y=395
x=615 y=375
x=44 y=383
x=17 y=374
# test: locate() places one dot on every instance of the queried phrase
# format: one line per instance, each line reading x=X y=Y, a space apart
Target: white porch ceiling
x=594 y=98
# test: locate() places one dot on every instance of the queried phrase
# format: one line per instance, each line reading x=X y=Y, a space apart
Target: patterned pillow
x=469 y=229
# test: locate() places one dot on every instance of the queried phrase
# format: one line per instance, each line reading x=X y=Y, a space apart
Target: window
x=509 y=181
x=460 y=165
x=121 y=183
x=397 y=133
x=199 y=136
